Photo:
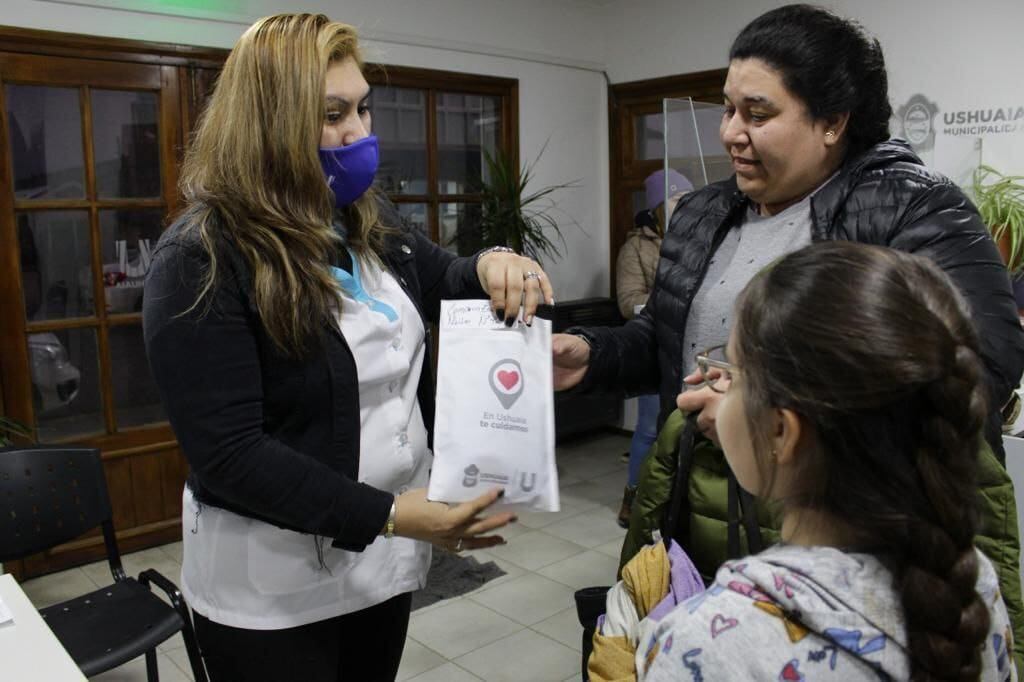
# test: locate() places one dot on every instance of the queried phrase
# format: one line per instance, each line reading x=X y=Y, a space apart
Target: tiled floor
x=521 y=626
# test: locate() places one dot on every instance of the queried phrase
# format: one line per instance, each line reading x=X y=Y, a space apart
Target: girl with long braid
x=854 y=402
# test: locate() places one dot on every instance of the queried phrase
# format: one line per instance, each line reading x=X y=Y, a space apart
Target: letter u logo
x=522 y=482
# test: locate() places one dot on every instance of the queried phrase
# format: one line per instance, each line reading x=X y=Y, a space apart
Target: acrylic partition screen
x=691 y=145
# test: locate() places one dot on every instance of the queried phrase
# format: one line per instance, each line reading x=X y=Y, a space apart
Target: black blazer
x=265 y=435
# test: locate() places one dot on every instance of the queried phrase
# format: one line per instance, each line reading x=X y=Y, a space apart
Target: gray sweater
x=746 y=249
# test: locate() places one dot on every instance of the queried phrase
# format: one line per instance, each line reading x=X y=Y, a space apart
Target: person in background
x=286 y=322
x=806 y=124
x=852 y=397
x=634 y=278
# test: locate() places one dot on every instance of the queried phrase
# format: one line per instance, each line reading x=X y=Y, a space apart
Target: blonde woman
x=286 y=324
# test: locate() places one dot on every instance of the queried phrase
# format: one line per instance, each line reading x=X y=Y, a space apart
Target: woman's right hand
x=455 y=527
x=571 y=358
x=704 y=401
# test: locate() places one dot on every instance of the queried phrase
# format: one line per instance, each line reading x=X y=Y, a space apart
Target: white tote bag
x=495 y=419
x=134 y=271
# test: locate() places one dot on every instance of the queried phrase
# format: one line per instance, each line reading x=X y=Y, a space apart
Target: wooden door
x=196 y=85
x=88 y=171
x=631 y=106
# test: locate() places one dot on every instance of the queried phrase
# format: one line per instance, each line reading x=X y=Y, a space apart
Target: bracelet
x=492 y=249
x=389 y=527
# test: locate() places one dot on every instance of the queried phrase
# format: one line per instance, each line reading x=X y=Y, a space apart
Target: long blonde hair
x=252 y=176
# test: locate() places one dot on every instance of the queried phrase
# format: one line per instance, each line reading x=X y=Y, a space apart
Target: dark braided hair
x=874 y=349
x=829 y=63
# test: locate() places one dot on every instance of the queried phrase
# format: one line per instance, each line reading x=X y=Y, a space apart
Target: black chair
x=582 y=411
x=51 y=495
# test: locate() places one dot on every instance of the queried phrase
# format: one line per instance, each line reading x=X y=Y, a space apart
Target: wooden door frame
x=58 y=44
x=143 y=456
x=625 y=174
x=63 y=72
x=454 y=81
x=434 y=80
x=16 y=45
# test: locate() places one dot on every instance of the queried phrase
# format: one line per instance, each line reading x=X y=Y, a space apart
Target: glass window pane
x=639 y=202
x=467 y=125
x=649 y=136
x=45 y=128
x=126 y=143
x=416 y=216
x=127 y=239
x=136 y=400
x=459 y=228
x=56 y=264
x=694 y=144
x=400 y=123
x=65 y=383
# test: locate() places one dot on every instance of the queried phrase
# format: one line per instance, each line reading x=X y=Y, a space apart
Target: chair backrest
x=48 y=496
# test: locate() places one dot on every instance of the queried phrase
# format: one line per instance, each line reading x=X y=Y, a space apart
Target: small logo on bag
x=506 y=378
x=523 y=485
x=472 y=475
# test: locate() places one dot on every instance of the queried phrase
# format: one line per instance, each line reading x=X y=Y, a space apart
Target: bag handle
x=741 y=505
x=732 y=518
x=742 y=508
x=748 y=507
x=145 y=254
x=679 y=502
x=121 y=248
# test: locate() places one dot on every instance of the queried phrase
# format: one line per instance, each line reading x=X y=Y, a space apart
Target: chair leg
x=188 y=634
x=195 y=657
x=152 y=670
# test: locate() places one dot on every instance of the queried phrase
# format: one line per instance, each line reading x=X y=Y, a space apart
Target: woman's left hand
x=511 y=280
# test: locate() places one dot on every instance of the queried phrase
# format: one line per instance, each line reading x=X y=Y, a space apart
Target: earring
x=775 y=454
x=830 y=133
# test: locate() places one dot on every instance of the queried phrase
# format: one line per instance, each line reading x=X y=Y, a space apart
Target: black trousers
x=365 y=645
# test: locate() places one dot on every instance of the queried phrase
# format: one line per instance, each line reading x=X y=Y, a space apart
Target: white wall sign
x=956 y=139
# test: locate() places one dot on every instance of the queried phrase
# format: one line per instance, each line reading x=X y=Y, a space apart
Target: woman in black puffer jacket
x=806 y=124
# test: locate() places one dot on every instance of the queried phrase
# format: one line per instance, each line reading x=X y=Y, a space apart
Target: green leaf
x=1000 y=201
x=510 y=216
x=10 y=427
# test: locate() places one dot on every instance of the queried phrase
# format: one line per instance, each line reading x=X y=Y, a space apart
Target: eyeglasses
x=714 y=368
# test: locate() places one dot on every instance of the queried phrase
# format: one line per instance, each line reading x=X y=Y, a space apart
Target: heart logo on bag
x=506 y=379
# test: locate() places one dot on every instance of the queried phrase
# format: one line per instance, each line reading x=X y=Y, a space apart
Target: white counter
x=29 y=651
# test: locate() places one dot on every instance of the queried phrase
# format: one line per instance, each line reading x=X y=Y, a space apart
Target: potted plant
x=1000 y=200
x=9 y=428
x=509 y=215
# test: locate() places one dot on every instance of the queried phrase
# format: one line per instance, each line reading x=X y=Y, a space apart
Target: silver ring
x=531 y=275
x=458 y=545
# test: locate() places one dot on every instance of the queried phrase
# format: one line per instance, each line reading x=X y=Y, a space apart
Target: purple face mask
x=350 y=170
